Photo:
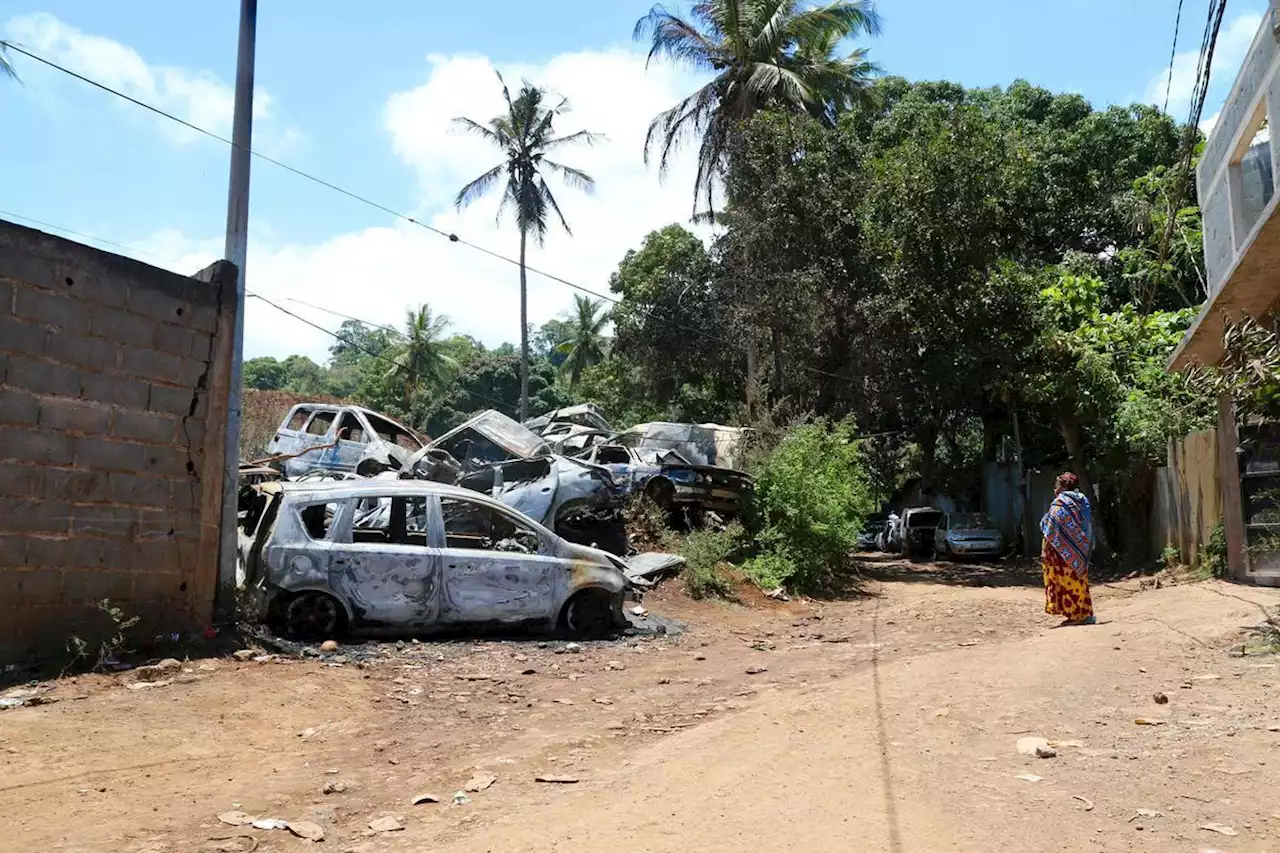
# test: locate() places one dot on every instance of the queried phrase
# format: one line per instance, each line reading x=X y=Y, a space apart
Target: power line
x=75 y=233
x=453 y=238
x=1173 y=53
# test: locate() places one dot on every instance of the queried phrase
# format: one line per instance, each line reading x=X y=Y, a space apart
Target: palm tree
x=763 y=53
x=525 y=134
x=6 y=67
x=585 y=346
x=419 y=359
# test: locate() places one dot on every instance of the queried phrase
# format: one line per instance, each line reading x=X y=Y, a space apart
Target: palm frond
x=584 y=136
x=6 y=67
x=478 y=187
x=575 y=178
x=549 y=200
x=471 y=126
x=672 y=37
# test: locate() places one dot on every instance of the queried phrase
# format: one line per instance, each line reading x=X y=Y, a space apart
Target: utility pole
x=236 y=250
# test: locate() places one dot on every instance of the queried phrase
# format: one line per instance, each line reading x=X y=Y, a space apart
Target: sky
x=362 y=96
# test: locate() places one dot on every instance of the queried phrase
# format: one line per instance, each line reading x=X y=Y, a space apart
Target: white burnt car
x=413 y=556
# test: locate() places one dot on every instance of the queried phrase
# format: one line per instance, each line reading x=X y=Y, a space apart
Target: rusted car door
x=384 y=563
x=495 y=568
x=316 y=432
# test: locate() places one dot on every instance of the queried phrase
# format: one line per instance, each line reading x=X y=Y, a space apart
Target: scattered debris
x=387 y=823
x=460 y=799
x=1160 y=699
x=1145 y=722
x=306 y=829
x=557 y=780
x=1137 y=813
x=329 y=646
x=1046 y=752
x=1273 y=728
x=156 y=671
x=778 y=594
x=756 y=670
x=968 y=643
x=424 y=798
x=231 y=843
x=1088 y=803
x=1221 y=829
x=1029 y=777
x=334 y=787
x=236 y=818
x=8 y=702
x=480 y=782
x=602 y=700
x=1031 y=745
x=616 y=665
x=270 y=823
x=246 y=655
x=572 y=647
x=639 y=610
x=146 y=685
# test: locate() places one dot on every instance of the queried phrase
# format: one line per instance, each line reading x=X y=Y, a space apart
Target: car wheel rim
x=312 y=615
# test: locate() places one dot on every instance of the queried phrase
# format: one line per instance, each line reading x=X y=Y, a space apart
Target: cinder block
x=69 y=348
x=47 y=306
x=24 y=515
x=43 y=377
x=21 y=336
x=30 y=587
x=115 y=389
x=77 y=485
x=151 y=364
x=201 y=347
x=102 y=289
x=97 y=453
x=25 y=267
x=161 y=461
x=182 y=341
x=100 y=585
x=6 y=298
x=73 y=552
x=164 y=524
x=171 y=400
x=74 y=415
x=204 y=318
x=140 y=491
x=18 y=407
x=159 y=587
x=13 y=550
x=145 y=426
x=22 y=481
x=161 y=303
x=186 y=493
x=32 y=445
x=195 y=373
x=124 y=327
x=103 y=520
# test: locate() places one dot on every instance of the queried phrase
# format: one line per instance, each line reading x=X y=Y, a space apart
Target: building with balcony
x=1236 y=184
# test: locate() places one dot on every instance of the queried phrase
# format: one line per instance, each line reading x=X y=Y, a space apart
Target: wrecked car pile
x=373 y=529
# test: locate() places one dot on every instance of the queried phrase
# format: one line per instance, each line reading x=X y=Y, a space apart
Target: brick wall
x=113 y=396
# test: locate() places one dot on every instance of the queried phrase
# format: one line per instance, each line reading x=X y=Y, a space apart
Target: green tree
x=303 y=376
x=419 y=360
x=264 y=373
x=526 y=135
x=357 y=341
x=762 y=53
x=586 y=342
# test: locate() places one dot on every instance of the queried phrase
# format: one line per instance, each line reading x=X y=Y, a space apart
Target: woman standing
x=1068 y=538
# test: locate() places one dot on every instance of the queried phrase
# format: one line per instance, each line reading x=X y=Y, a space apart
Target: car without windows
x=917 y=527
x=349 y=439
x=413 y=556
x=968 y=534
x=672 y=482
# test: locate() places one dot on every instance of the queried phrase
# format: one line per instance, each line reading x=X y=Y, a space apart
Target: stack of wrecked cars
x=687 y=469
x=367 y=527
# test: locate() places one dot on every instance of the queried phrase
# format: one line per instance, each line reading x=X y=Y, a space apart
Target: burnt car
x=411 y=556
x=917 y=528
x=671 y=481
x=968 y=534
x=586 y=415
x=493 y=454
x=348 y=439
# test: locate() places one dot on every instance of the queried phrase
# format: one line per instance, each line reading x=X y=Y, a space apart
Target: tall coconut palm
x=585 y=345
x=6 y=67
x=525 y=133
x=778 y=53
x=418 y=359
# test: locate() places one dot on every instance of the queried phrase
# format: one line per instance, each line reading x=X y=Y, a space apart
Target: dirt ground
x=887 y=722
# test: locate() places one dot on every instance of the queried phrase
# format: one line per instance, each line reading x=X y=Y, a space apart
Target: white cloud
x=198 y=97
x=1232 y=47
x=376 y=273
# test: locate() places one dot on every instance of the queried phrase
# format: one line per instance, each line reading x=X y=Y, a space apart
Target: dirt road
x=886 y=723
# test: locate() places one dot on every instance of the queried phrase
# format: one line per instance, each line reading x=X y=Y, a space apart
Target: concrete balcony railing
x=1236 y=186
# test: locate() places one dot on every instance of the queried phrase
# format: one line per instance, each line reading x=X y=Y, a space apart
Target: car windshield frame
x=970 y=521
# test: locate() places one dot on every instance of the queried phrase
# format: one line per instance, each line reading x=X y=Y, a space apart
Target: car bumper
x=976 y=548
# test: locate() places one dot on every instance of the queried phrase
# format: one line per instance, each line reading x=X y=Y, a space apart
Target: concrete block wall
x=113 y=401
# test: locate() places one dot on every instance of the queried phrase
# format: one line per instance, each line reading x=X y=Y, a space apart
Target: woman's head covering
x=1068 y=482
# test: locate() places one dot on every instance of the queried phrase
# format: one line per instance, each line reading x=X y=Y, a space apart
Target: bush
x=811 y=494
x=705 y=552
x=1213 y=556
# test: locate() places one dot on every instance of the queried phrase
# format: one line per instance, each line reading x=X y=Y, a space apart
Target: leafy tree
x=357 y=341
x=265 y=374
x=526 y=135
x=762 y=53
x=303 y=376
x=548 y=336
x=586 y=343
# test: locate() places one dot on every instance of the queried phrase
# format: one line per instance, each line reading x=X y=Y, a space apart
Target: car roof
x=338 y=407
x=344 y=489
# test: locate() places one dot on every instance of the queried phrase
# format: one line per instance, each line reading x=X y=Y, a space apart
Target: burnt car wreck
x=386 y=555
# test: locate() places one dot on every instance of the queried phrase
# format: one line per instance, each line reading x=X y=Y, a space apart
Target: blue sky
x=362 y=96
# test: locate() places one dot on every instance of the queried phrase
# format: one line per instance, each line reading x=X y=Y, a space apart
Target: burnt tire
x=310 y=617
x=588 y=615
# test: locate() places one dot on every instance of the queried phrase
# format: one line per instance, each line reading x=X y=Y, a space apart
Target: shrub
x=1213 y=556
x=705 y=552
x=811 y=494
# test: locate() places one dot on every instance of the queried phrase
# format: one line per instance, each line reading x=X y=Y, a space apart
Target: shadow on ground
x=1002 y=573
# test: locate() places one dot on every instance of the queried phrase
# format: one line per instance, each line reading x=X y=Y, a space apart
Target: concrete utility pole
x=236 y=250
